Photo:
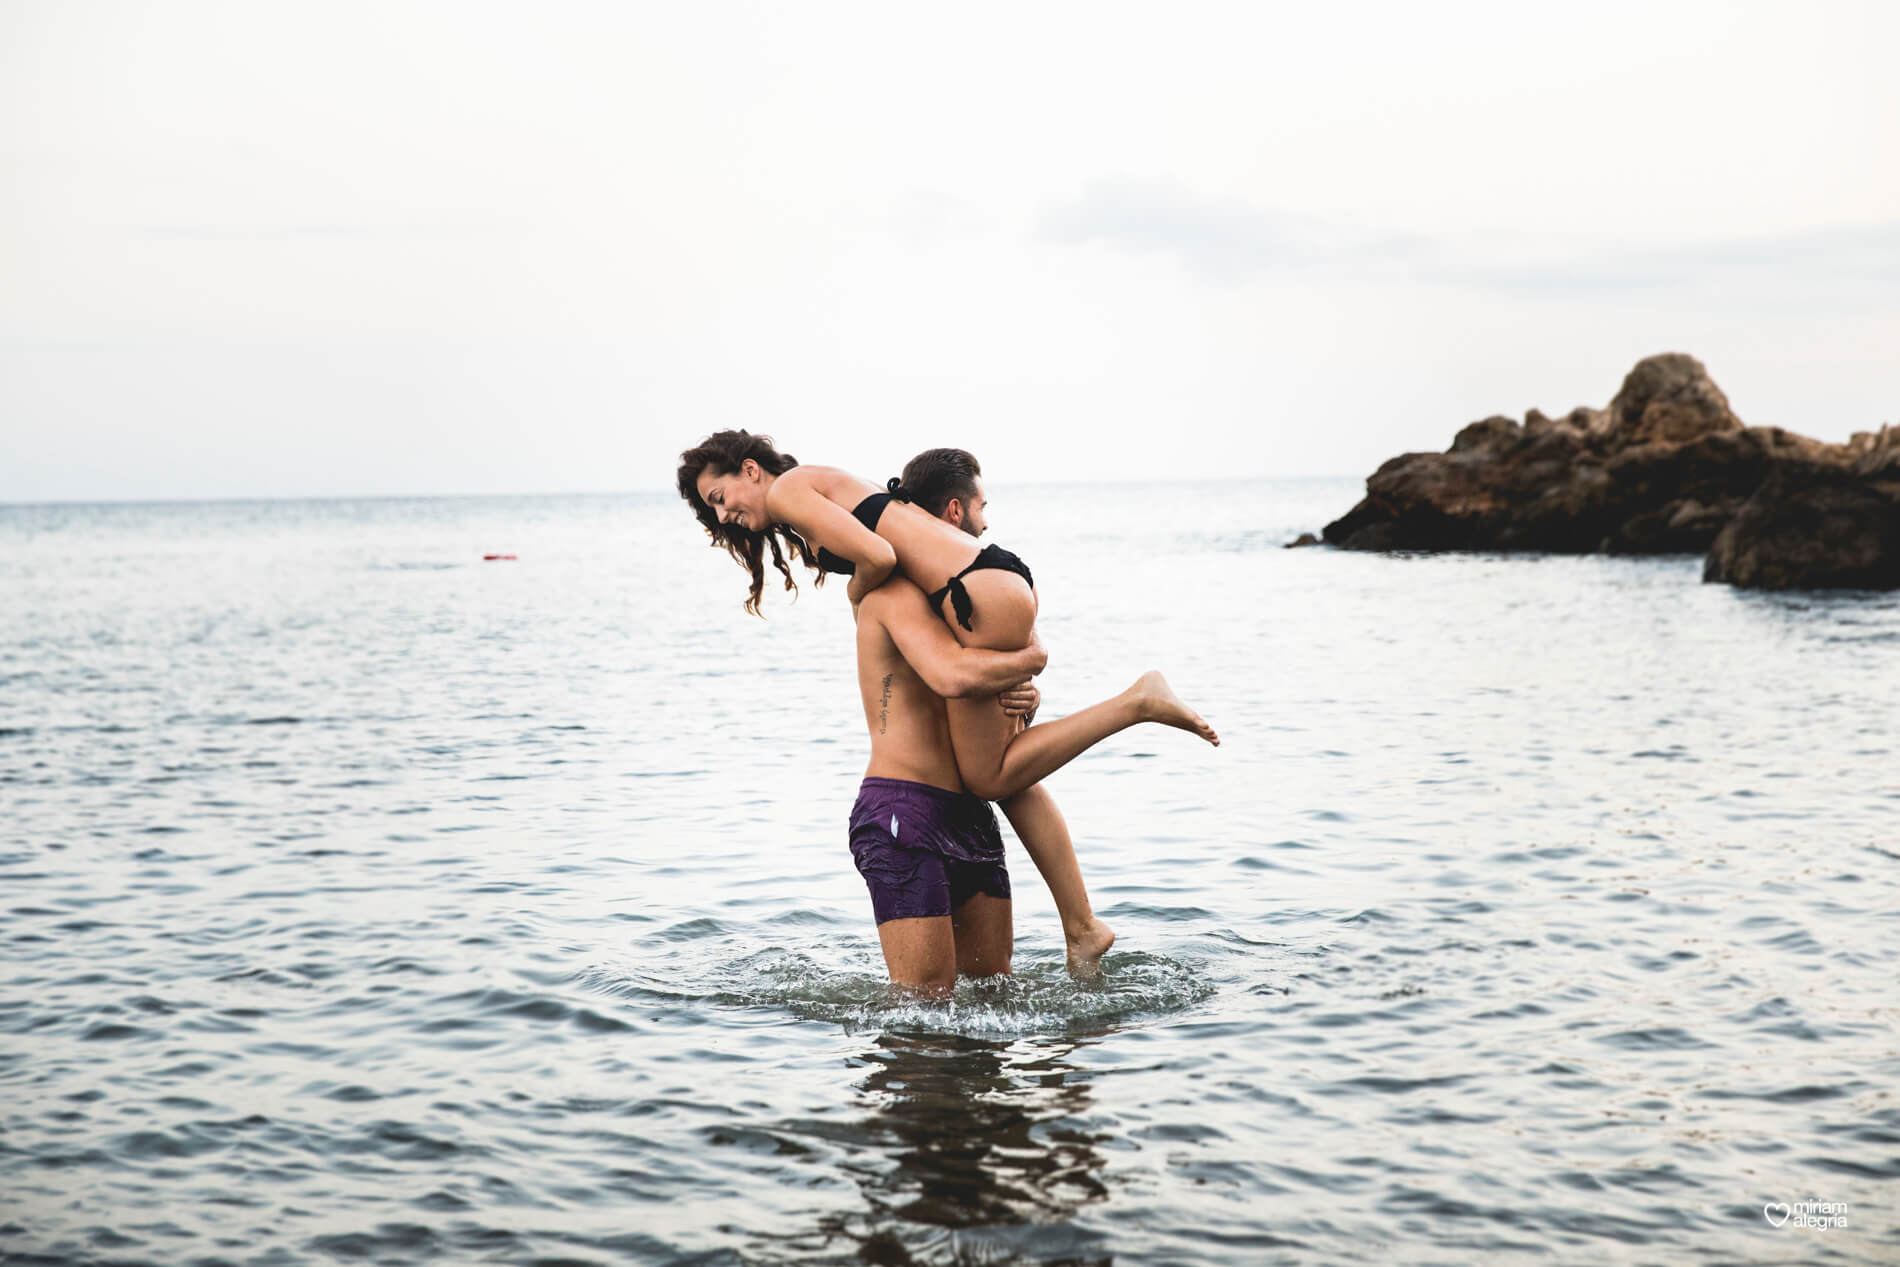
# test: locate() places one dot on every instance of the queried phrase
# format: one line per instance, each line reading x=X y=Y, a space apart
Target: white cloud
x=1229 y=241
x=1087 y=240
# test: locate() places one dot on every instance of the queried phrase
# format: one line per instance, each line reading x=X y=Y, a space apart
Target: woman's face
x=737 y=497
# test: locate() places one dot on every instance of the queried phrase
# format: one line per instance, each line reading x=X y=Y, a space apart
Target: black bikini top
x=868 y=512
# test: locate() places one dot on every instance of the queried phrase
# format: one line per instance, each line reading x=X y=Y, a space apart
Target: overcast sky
x=271 y=249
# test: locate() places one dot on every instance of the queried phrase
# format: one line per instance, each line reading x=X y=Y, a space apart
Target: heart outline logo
x=1768 y=1212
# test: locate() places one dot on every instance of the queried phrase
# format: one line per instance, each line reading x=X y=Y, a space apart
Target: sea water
x=363 y=900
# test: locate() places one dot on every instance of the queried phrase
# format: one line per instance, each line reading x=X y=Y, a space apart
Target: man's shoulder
x=898 y=597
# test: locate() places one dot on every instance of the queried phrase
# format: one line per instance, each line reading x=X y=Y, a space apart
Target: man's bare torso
x=910 y=729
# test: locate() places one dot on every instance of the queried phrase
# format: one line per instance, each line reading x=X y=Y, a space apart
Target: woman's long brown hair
x=722 y=453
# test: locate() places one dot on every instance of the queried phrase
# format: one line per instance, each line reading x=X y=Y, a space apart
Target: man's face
x=967 y=514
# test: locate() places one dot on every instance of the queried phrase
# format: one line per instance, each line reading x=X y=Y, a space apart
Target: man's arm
x=927 y=645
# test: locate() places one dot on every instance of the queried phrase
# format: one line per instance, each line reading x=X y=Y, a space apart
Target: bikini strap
x=959 y=596
x=895 y=487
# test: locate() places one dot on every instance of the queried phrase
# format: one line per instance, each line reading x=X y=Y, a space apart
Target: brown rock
x=1492 y=435
x=1304 y=539
x=1811 y=526
x=1579 y=420
x=1663 y=470
x=1668 y=398
x=1877 y=454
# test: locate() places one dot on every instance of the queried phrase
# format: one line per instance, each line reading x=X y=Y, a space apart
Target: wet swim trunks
x=923 y=851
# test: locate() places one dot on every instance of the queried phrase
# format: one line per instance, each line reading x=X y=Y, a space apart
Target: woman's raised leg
x=997 y=761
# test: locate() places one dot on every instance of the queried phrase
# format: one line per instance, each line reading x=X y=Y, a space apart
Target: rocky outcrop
x=1815 y=525
x=1664 y=469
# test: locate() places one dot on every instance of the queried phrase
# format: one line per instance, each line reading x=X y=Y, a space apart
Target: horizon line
x=620 y=492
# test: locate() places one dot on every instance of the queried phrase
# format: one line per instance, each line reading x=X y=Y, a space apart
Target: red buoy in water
x=492 y=558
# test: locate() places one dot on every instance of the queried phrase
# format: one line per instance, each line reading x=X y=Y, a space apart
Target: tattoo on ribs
x=884 y=705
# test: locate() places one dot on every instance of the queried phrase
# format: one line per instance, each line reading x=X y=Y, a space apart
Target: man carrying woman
x=750 y=497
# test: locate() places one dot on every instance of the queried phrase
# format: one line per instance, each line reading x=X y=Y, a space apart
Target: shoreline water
x=370 y=901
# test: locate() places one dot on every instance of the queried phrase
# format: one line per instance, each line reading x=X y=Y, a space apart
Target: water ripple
x=363 y=903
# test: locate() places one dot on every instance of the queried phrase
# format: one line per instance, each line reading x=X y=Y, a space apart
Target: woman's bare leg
x=997 y=762
x=921 y=953
x=999 y=759
x=996 y=759
x=985 y=935
x=1045 y=835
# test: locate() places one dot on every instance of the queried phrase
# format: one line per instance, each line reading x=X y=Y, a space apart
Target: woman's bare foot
x=1155 y=700
x=1086 y=949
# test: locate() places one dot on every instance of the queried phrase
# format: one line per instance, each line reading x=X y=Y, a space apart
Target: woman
x=750 y=496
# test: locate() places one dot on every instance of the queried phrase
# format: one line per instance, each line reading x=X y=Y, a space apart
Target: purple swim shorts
x=923 y=851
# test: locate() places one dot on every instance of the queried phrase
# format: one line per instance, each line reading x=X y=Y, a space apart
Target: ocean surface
x=366 y=902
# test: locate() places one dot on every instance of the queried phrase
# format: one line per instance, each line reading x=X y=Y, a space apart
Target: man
x=928 y=850
x=949 y=484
